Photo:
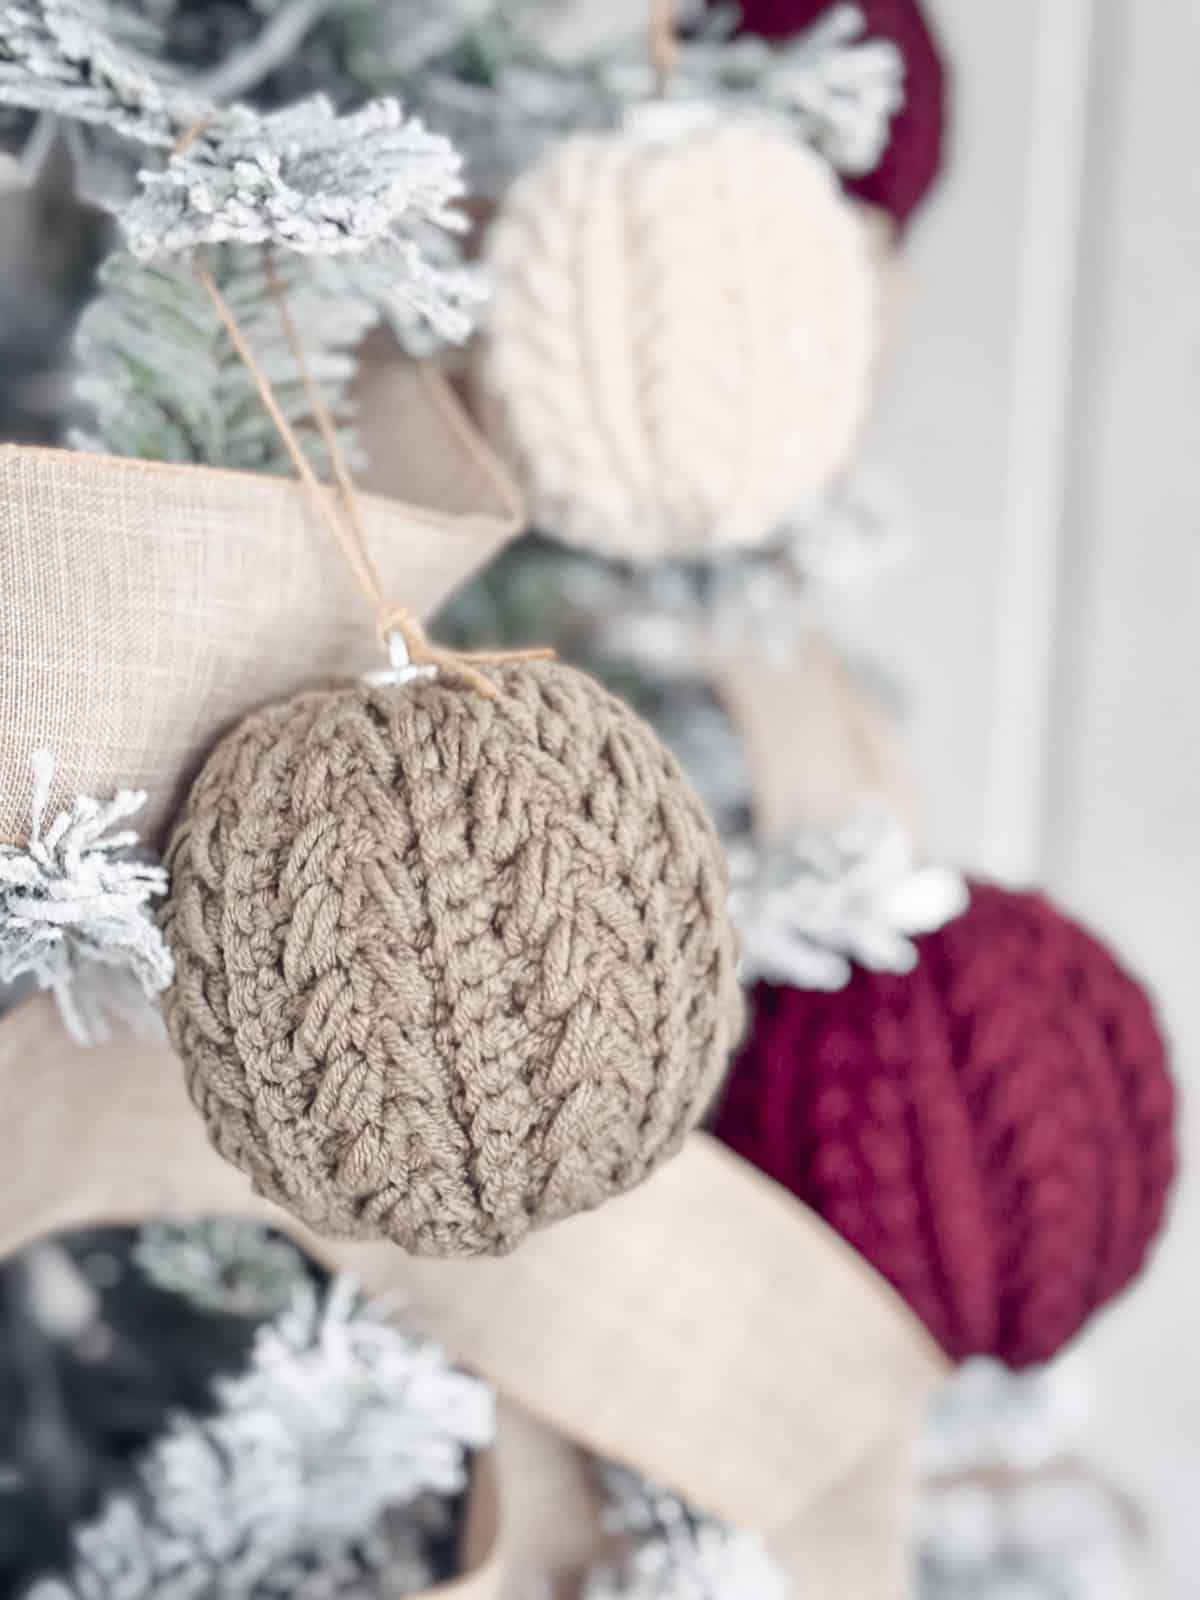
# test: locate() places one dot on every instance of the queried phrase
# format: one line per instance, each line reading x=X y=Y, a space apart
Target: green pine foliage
x=164 y=382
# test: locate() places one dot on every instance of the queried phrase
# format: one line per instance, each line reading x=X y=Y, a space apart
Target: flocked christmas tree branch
x=307 y=180
x=373 y=188
x=505 y=77
x=60 y=56
x=165 y=384
x=516 y=78
x=674 y=1553
x=810 y=907
x=74 y=908
x=340 y=1418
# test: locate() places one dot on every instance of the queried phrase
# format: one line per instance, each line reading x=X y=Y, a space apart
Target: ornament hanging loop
x=402 y=669
x=662 y=43
x=414 y=657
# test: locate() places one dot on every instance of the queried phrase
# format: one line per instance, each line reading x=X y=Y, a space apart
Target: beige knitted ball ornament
x=678 y=348
x=448 y=967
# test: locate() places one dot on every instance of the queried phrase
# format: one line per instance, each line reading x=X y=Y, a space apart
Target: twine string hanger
x=863 y=745
x=413 y=655
x=663 y=45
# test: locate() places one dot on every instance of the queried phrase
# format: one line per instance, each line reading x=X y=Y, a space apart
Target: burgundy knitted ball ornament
x=913 y=157
x=993 y=1131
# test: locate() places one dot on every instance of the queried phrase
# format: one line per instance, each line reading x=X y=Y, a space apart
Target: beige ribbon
x=705 y=1329
x=482 y=1545
x=663 y=46
x=818 y=747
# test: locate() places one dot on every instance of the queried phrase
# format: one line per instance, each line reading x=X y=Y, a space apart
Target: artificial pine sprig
x=307 y=180
x=372 y=186
x=340 y=1418
x=223 y=1264
x=60 y=56
x=164 y=383
x=672 y=1552
x=76 y=900
x=812 y=906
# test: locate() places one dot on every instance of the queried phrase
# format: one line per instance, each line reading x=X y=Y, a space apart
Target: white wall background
x=1042 y=414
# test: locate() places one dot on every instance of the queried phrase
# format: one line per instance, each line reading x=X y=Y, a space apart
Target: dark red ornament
x=994 y=1131
x=915 y=149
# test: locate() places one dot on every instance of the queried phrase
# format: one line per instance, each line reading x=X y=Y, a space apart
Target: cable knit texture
x=916 y=146
x=679 y=343
x=448 y=968
x=994 y=1131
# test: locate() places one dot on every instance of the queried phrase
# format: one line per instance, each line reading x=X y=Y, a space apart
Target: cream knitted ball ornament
x=678 y=348
x=448 y=967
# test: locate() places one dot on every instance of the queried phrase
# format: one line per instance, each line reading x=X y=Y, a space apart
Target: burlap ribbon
x=818 y=746
x=705 y=1329
x=481 y=1547
x=146 y=607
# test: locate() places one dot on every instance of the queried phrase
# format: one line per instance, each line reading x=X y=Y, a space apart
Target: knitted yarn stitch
x=448 y=967
x=916 y=145
x=679 y=343
x=994 y=1132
